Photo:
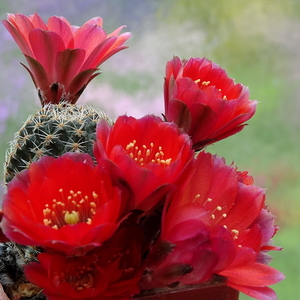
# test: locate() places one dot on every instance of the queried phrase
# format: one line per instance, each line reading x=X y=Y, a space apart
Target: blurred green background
x=256 y=41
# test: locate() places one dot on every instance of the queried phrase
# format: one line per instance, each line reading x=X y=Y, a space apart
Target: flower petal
x=183 y=120
x=79 y=83
x=68 y=63
x=261 y=293
x=20 y=38
x=45 y=45
x=39 y=74
x=88 y=37
x=63 y=29
x=248 y=205
x=255 y=274
x=38 y=22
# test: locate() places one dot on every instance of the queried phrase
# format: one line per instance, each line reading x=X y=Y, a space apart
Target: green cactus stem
x=53 y=131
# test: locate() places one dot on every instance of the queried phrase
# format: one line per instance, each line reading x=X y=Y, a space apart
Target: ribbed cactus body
x=53 y=131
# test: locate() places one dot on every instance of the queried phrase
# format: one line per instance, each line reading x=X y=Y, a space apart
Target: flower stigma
x=71 y=218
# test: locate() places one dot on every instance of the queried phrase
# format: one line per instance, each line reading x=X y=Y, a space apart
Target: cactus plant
x=62 y=60
x=53 y=130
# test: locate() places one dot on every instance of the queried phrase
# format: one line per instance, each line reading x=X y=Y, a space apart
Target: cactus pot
x=196 y=292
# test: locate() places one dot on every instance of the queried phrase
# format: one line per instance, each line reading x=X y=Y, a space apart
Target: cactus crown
x=53 y=130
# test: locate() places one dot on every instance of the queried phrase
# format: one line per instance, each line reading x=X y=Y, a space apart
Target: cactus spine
x=53 y=131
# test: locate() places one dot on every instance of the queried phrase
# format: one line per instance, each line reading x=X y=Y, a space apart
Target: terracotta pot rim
x=205 y=291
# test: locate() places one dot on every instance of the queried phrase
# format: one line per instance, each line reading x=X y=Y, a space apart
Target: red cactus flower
x=147 y=153
x=62 y=58
x=81 y=277
x=202 y=100
x=111 y=272
x=216 y=225
x=65 y=204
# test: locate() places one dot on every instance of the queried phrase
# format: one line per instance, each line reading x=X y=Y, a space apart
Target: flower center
x=203 y=84
x=84 y=281
x=147 y=155
x=218 y=215
x=71 y=209
x=80 y=277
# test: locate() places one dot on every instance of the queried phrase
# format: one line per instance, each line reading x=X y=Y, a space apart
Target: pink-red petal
x=63 y=29
x=253 y=275
x=260 y=293
x=45 y=46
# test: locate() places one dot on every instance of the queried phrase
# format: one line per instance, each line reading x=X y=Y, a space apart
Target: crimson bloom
x=64 y=204
x=202 y=100
x=62 y=58
x=81 y=277
x=216 y=226
x=111 y=272
x=148 y=154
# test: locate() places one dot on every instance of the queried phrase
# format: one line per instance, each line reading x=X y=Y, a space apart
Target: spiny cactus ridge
x=53 y=131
